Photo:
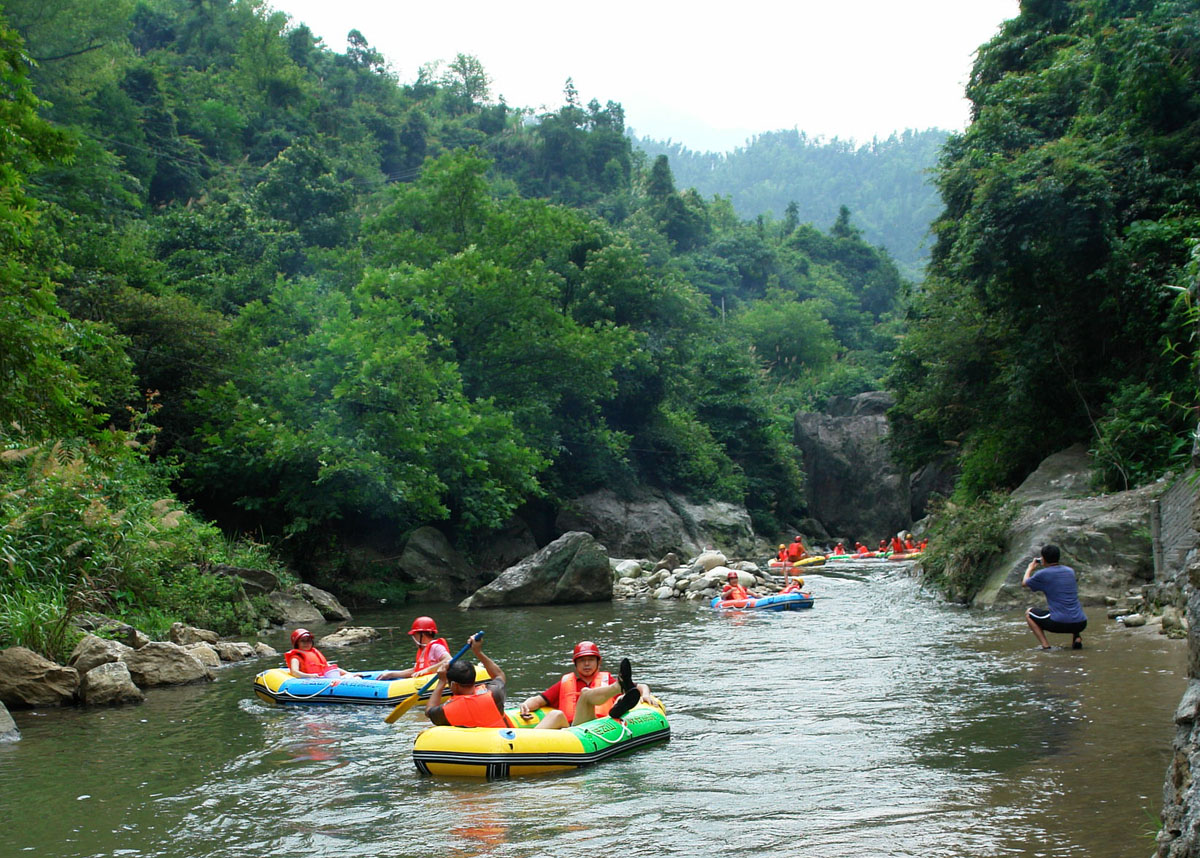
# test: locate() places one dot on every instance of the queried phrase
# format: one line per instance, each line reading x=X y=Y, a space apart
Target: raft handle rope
x=328 y=685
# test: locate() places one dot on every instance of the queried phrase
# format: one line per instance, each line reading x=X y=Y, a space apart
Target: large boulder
x=8 y=727
x=93 y=651
x=350 y=636
x=650 y=523
x=27 y=680
x=853 y=487
x=324 y=601
x=185 y=635
x=572 y=568
x=164 y=663
x=1104 y=538
x=255 y=581
x=438 y=572
x=289 y=609
x=109 y=684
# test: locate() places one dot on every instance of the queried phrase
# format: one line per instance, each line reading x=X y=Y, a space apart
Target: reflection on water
x=880 y=722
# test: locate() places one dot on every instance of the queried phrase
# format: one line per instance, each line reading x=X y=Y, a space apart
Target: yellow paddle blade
x=403 y=706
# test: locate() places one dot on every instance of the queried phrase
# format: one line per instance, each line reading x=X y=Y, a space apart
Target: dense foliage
x=1051 y=313
x=360 y=305
x=789 y=175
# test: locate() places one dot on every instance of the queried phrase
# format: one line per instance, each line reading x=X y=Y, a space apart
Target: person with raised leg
x=587 y=692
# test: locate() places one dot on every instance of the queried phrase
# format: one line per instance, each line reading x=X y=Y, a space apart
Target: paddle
x=411 y=701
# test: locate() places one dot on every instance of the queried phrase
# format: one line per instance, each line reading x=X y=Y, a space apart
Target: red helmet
x=733 y=575
x=299 y=634
x=423 y=624
x=585 y=648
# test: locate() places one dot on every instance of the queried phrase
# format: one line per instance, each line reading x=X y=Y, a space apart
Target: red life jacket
x=311 y=660
x=474 y=710
x=570 y=686
x=423 y=661
x=795 y=551
x=897 y=545
x=734 y=591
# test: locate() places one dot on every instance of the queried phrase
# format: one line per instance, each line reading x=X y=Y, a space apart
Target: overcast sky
x=706 y=76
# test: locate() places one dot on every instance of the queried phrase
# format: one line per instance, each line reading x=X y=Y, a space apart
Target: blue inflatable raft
x=778 y=602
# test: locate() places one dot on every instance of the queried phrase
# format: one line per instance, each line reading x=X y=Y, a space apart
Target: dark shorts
x=1042 y=618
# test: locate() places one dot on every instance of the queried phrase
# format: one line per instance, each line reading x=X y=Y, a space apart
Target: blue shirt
x=1062 y=595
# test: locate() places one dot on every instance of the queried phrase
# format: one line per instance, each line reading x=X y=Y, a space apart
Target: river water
x=881 y=722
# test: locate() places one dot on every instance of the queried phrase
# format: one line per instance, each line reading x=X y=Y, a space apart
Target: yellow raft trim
x=488 y=752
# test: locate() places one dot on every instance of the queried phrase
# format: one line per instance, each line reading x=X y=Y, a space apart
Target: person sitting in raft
x=897 y=545
x=734 y=589
x=587 y=693
x=839 y=549
x=859 y=548
x=1063 y=614
x=782 y=555
x=796 y=551
x=432 y=651
x=883 y=546
x=472 y=704
x=306 y=661
x=791 y=585
x=909 y=545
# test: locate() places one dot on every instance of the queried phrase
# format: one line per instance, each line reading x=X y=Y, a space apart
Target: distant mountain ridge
x=886 y=184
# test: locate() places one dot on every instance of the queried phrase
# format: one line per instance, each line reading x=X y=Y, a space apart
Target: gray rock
x=263 y=650
x=649 y=523
x=502 y=549
x=437 y=571
x=185 y=635
x=164 y=663
x=205 y=653
x=234 y=650
x=109 y=684
x=287 y=609
x=350 y=636
x=28 y=680
x=1067 y=474
x=325 y=602
x=93 y=651
x=853 y=487
x=1105 y=539
x=664 y=593
x=254 y=581
x=1133 y=621
x=572 y=568
x=8 y=727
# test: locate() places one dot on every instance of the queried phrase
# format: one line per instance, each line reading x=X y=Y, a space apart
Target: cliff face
x=853 y=488
x=1180 y=834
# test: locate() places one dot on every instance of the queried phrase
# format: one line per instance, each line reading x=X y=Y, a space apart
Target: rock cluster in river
x=699 y=579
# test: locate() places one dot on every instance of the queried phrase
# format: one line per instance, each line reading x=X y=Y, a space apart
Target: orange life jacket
x=796 y=551
x=734 y=591
x=478 y=709
x=570 y=686
x=423 y=661
x=897 y=545
x=311 y=660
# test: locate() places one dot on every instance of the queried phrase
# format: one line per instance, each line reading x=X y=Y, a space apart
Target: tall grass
x=93 y=526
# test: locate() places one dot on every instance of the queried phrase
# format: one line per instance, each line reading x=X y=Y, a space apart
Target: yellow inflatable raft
x=489 y=752
x=277 y=685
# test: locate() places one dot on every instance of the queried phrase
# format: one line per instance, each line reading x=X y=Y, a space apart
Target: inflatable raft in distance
x=782 y=565
x=778 y=602
x=277 y=685
x=501 y=752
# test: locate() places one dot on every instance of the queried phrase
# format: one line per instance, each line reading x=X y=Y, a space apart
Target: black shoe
x=625 y=675
x=624 y=703
x=1077 y=643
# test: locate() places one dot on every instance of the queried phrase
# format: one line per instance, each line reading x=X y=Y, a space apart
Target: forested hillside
x=886 y=184
x=252 y=281
x=1060 y=302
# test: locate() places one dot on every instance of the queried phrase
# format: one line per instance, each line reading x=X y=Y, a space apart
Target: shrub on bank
x=963 y=538
x=92 y=526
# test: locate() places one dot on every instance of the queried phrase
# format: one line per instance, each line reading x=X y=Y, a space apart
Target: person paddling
x=472 y=704
x=432 y=651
